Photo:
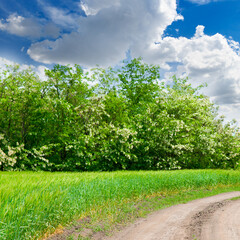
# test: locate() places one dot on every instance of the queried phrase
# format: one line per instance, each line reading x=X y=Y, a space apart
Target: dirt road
x=204 y=219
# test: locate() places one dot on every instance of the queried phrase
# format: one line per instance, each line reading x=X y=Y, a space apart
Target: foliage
x=19 y=158
x=109 y=119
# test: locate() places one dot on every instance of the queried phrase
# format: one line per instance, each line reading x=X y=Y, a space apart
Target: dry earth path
x=209 y=218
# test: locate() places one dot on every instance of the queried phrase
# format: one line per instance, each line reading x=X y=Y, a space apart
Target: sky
x=195 y=38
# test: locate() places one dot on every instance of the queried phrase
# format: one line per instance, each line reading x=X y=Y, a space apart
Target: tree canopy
x=109 y=119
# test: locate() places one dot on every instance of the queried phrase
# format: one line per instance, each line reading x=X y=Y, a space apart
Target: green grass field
x=35 y=203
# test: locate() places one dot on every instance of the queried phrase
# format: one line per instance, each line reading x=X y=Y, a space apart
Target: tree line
x=109 y=119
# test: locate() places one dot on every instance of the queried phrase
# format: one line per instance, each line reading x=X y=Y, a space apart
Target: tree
x=109 y=119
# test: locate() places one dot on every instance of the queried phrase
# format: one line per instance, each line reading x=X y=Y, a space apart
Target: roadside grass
x=36 y=204
x=235 y=198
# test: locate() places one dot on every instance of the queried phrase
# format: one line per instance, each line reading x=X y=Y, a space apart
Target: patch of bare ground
x=77 y=230
x=189 y=221
x=201 y=218
x=209 y=218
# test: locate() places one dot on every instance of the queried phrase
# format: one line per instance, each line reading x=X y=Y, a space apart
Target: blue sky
x=195 y=38
x=218 y=17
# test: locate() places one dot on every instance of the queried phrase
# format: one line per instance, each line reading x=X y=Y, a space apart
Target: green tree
x=109 y=119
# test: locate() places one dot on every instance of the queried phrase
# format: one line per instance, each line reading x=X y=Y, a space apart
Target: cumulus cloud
x=214 y=60
x=61 y=17
x=110 y=29
x=230 y=111
x=29 y=27
x=4 y=62
x=39 y=70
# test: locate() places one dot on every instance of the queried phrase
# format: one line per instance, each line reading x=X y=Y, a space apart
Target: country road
x=209 y=218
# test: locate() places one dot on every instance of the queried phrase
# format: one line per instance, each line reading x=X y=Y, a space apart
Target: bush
x=110 y=120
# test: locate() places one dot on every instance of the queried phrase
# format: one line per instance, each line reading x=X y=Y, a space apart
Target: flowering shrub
x=110 y=120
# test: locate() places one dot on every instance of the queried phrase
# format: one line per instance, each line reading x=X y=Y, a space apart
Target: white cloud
x=111 y=29
x=92 y=7
x=28 y=27
x=39 y=70
x=61 y=17
x=230 y=111
x=4 y=62
x=211 y=59
x=88 y=11
x=202 y=2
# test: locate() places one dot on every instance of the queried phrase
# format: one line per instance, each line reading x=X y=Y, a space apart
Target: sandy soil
x=204 y=219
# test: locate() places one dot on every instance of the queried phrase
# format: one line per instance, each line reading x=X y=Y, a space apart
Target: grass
x=35 y=203
x=235 y=198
